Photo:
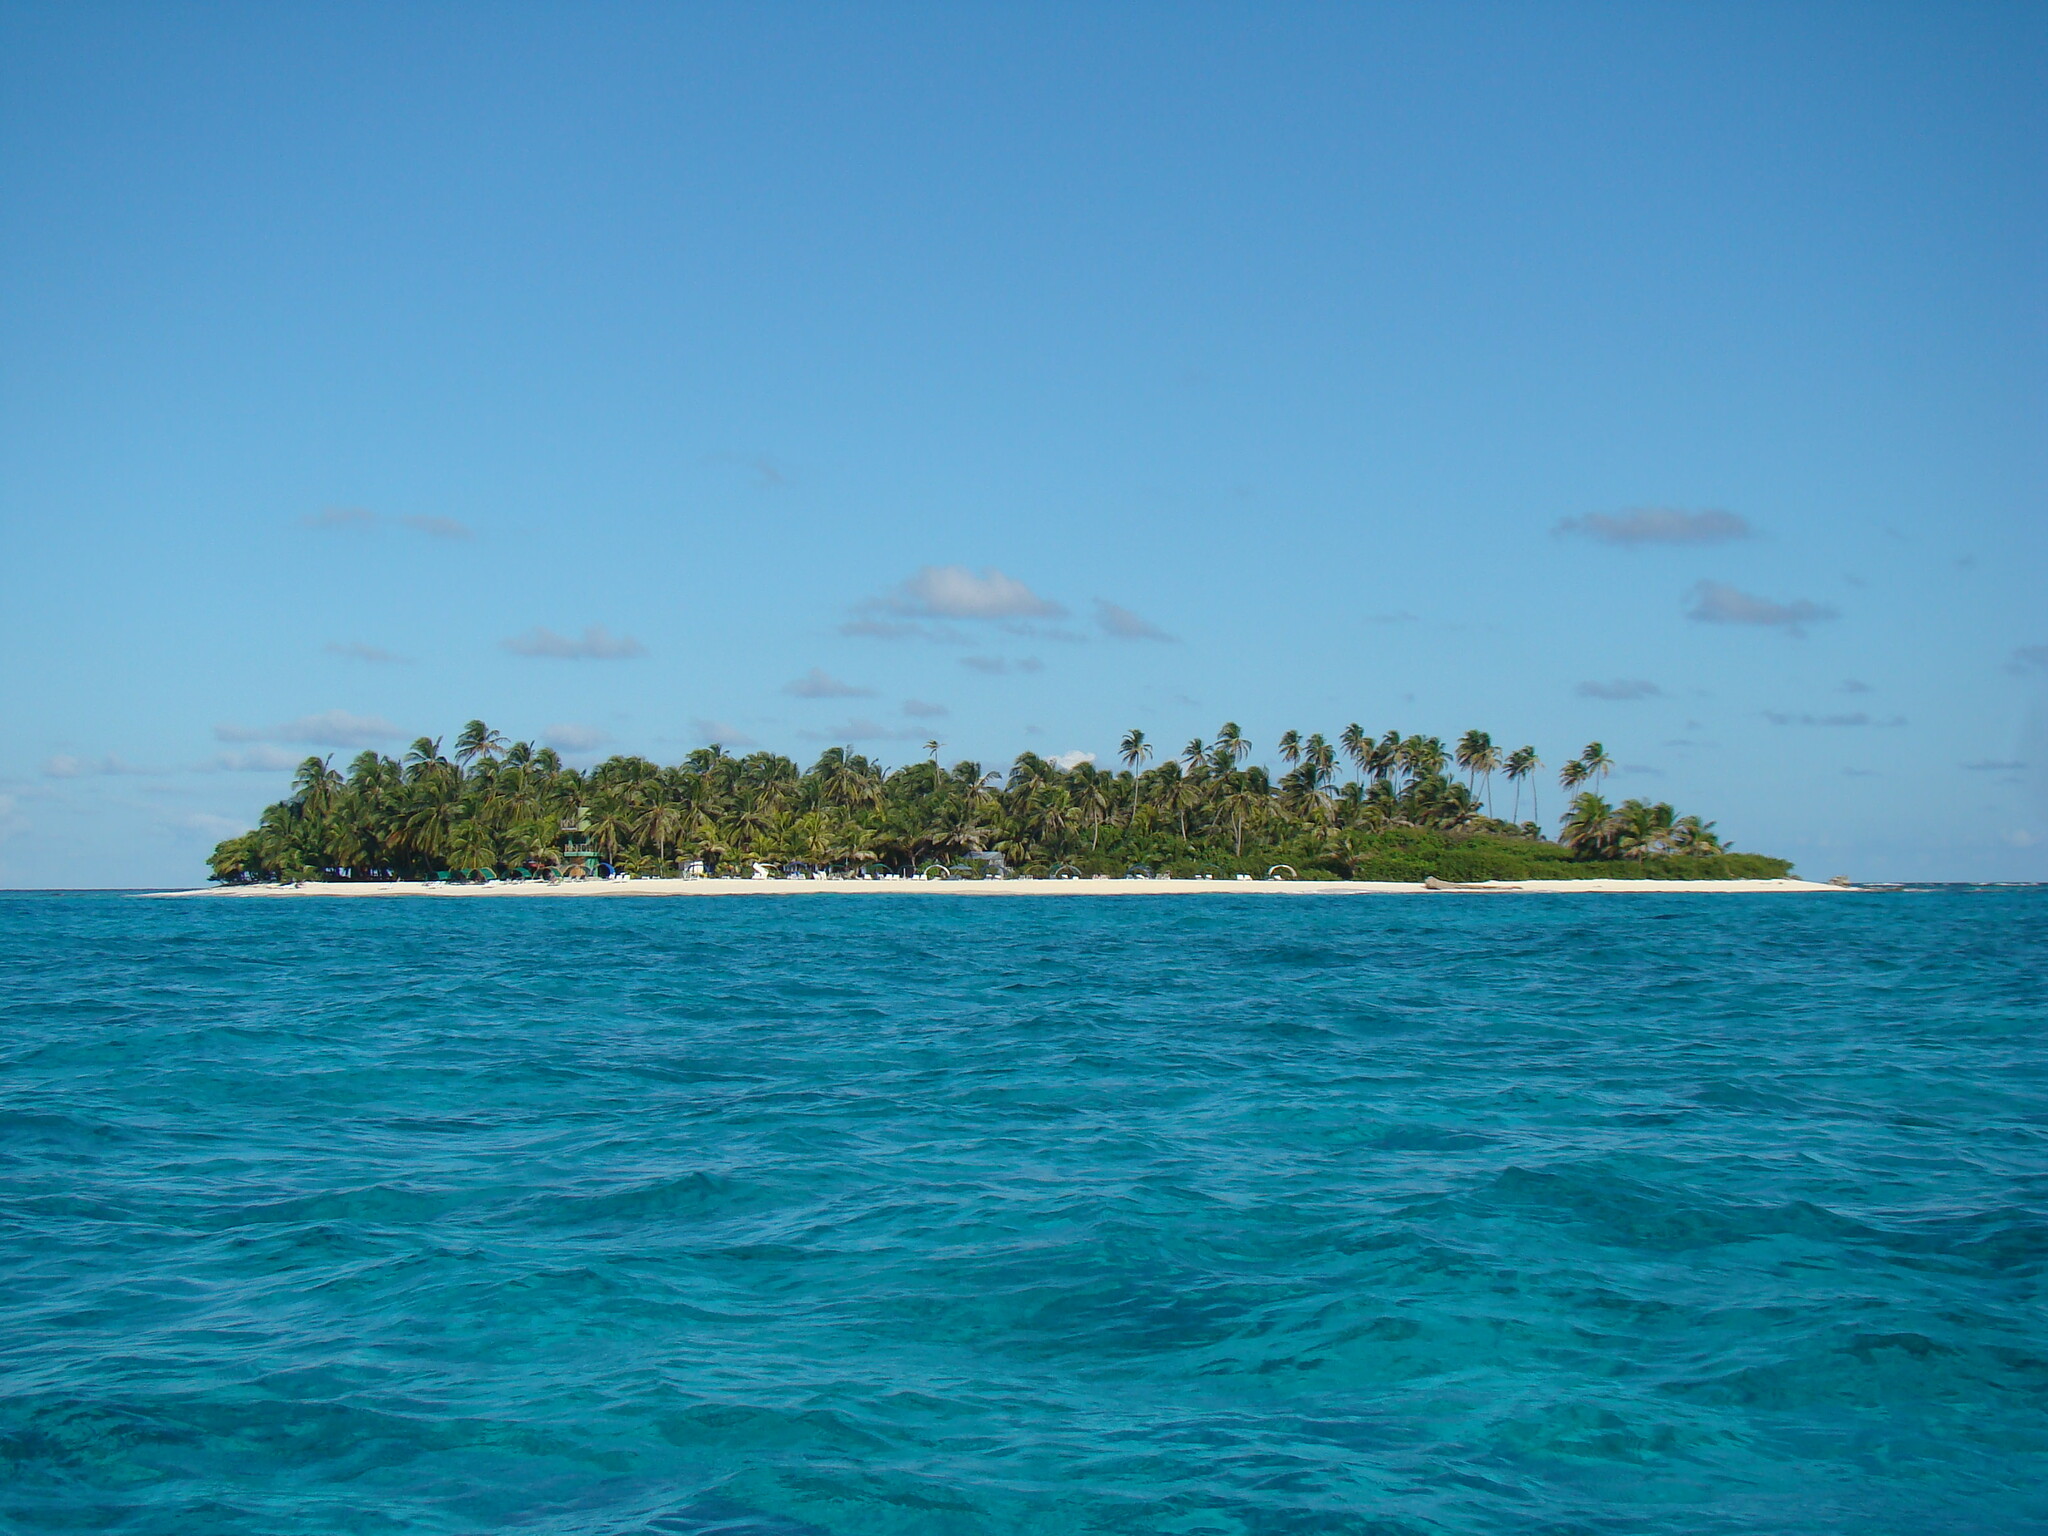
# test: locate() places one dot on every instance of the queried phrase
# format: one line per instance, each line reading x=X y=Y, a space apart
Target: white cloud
x=1071 y=760
x=64 y=766
x=1857 y=718
x=208 y=823
x=861 y=728
x=255 y=760
x=332 y=728
x=721 y=732
x=570 y=737
x=356 y=650
x=918 y=709
x=596 y=643
x=1657 y=525
x=820 y=684
x=1122 y=624
x=1622 y=688
x=884 y=629
x=1715 y=602
x=955 y=592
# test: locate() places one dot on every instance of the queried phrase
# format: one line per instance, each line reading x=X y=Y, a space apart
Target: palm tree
x=1642 y=829
x=1384 y=756
x=1691 y=835
x=1589 y=826
x=1522 y=762
x=1468 y=745
x=477 y=741
x=423 y=755
x=1357 y=745
x=1232 y=741
x=1090 y=799
x=1481 y=757
x=1478 y=756
x=316 y=786
x=1598 y=763
x=1573 y=774
x=1321 y=756
x=1134 y=751
x=1290 y=747
x=1195 y=754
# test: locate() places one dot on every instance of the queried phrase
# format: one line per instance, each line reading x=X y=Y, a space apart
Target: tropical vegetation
x=1410 y=807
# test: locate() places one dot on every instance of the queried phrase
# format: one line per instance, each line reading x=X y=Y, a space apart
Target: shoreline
x=721 y=886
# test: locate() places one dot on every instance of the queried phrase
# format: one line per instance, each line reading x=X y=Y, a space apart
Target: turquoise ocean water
x=1643 y=1214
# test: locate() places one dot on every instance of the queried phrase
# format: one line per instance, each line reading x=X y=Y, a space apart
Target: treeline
x=1412 y=808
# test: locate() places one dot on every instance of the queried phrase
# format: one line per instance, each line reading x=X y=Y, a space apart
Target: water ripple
x=1649 y=1215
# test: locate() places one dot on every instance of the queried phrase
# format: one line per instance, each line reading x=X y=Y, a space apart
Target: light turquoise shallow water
x=1643 y=1214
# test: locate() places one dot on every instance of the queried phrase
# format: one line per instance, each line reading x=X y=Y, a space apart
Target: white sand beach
x=717 y=886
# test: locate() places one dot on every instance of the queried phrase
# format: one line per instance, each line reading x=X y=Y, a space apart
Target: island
x=1411 y=813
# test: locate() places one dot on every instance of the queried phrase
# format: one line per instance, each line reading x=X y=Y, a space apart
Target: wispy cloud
x=1858 y=718
x=356 y=650
x=255 y=760
x=363 y=517
x=1401 y=617
x=930 y=601
x=339 y=517
x=861 y=728
x=1657 y=525
x=571 y=737
x=596 y=643
x=65 y=766
x=820 y=684
x=955 y=592
x=204 y=822
x=1120 y=623
x=2028 y=658
x=1989 y=765
x=1621 y=688
x=1850 y=685
x=721 y=732
x=884 y=629
x=331 y=728
x=1715 y=602
x=995 y=665
x=918 y=709
x=768 y=474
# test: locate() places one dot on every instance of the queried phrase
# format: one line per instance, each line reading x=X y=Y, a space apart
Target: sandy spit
x=586 y=889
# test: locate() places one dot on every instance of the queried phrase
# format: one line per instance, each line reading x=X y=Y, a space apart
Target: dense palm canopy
x=507 y=809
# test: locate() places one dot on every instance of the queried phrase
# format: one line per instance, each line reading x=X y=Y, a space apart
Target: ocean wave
x=1656 y=1217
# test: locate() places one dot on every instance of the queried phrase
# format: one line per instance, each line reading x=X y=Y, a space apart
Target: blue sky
x=634 y=376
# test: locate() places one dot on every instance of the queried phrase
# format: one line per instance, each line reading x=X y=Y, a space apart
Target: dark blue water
x=1684 y=1214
